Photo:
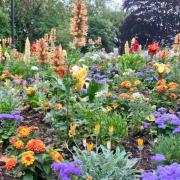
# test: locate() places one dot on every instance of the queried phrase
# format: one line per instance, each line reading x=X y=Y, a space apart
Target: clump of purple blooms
x=67 y=169
x=163 y=117
x=12 y=116
x=170 y=172
x=158 y=158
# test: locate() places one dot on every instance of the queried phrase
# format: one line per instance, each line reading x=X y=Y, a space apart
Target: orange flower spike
x=11 y=163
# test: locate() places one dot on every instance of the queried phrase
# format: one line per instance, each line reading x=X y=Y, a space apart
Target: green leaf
x=28 y=177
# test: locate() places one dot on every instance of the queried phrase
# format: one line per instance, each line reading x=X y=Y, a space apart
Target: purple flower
x=158 y=158
x=84 y=91
x=149 y=176
x=66 y=169
x=176 y=130
x=162 y=110
x=171 y=172
x=11 y=116
x=149 y=79
x=147 y=125
x=156 y=114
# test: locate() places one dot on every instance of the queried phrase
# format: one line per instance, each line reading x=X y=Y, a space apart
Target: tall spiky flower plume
x=1 y=55
x=126 y=48
x=42 y=51
x=27 y=54
x=57 y=56
x=176 y=46
x=79 y=23
x=53 y=35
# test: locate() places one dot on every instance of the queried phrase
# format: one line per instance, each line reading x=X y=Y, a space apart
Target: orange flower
x=18 y=144
x=56 y=156
x=61 y=71
x=163 y=54
x=124 y=96
x=97 y=128
x=161 y=82
x=153 y=49
x=27 y=158
x=173 y=86
x=89 y=178
x=24 y=131
x=90 y=147
x=126 y=84
x=172 y=96
x=161 y=88
x=140 y=142
x=11 y=163
x=36 y=145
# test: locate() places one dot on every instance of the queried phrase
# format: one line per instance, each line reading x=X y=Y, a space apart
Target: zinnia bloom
x=90 y=147
x=140 y=142
x=18 y=144
x=161 y=88
x=36 y=145
x=27 y=158
x=126 y=84
x=24 y=131
x=124 y=96
x=30 y=91
x=11 y=163
x=56 y=156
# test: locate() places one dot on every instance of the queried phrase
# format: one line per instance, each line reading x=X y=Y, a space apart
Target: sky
x=116 y=4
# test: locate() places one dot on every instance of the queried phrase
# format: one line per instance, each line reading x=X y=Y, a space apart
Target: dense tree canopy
x=151 y=20
x=33 y=18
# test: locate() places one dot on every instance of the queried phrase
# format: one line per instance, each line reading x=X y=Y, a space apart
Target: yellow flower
x=58 y=106
x=108 y=108
x=137 y=83
x=109 y=94
x=89 y=178
x=24 y=132
x=90 y=147
x=111 y=130
x=18 y=144
x=72 y=131
x=151 y=119
x=56 y=156
x=115 y=105
x=97 y=128
x=140 y=142
x=27 y=158
x=161 y=69
x=45 y=106
x=30 y=91
x=109 y=144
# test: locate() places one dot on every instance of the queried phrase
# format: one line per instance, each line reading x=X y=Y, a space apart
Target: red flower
x=6 y=72
x=33 y=48
x=134 y=47
x=153 y=49
x=61 y=71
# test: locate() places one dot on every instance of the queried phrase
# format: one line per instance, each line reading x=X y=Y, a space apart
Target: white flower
x=34 y=68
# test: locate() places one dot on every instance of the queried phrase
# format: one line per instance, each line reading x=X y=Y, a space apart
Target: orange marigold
x=56 y=156
x=161 y=88
x=11 y=163
x=126 y=84
x=36 y=145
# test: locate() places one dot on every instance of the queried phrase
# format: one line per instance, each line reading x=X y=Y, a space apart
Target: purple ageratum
x=170 y=172
x=14 y=115
x=67 y=169
x=147 y=125
x=162 y=110
x=149 y=176
x=176 y=130
x=149 y=79
x=158 y=158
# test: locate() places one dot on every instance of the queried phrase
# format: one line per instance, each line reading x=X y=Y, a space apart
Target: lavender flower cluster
x=12 y=116
x=170 y=172
x=163 y=117
x=67 y=169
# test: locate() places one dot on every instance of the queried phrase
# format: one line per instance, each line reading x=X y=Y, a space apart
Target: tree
x=150 y=20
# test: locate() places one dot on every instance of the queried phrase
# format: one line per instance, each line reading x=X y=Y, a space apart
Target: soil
x=36 y=118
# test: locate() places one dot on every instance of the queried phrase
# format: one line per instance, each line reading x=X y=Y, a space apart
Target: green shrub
x=169 y=146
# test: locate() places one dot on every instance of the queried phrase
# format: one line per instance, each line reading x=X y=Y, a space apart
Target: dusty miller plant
x=107 y=165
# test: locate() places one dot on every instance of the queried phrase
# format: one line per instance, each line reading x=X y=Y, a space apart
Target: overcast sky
x=116 y=4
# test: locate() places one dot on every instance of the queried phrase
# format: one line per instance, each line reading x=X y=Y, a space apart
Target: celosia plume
x=42 y=51
x=27 y=55
x=79 y=23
